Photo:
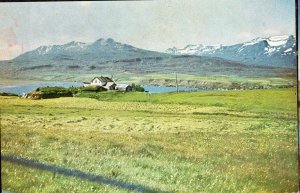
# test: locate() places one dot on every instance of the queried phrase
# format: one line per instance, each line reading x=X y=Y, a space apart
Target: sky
x=152 y=25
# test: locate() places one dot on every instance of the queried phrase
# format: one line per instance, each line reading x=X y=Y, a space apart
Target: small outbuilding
x=85 y=84
x=123 y=87
x=110 y=86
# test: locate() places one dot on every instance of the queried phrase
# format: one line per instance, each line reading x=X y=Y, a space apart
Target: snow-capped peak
x=73 y=45
x=192 y=49
x=105 y=42
x=275 y=50
x=277 y=40
x=109 y=43
x=272 y=41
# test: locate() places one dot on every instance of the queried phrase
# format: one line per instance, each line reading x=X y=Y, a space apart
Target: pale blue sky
x=153 y=25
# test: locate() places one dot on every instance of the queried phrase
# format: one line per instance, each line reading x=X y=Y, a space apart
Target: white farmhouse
x=105 y=82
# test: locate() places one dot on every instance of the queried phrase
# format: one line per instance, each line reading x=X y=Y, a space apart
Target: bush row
x=55 y=92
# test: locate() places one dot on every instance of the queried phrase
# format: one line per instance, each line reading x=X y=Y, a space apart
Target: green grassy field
x=235 y=141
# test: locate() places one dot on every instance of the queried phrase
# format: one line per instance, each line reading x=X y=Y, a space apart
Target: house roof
x=103 y=79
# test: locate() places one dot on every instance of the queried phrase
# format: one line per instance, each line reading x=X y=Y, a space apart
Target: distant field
x=234 y=141
x=213 y=82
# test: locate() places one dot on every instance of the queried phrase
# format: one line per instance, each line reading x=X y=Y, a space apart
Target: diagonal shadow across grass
x=78 y=174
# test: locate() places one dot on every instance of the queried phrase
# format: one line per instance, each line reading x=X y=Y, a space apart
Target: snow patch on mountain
x=277 y=40
x=74 y=45
x=44 y=49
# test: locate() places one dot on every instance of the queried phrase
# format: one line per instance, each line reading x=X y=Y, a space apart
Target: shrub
x=93 y=88
x=51 y=89
x=137 y=88
x=50 y=92
x=7 y=94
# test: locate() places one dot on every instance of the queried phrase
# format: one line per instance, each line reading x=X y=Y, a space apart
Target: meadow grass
x=129 y=78
x=234 y=141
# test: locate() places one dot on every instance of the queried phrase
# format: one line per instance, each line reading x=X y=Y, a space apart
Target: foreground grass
x=237 y=141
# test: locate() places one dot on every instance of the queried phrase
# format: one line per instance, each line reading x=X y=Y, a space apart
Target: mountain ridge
x=106 y=46
x=272 y=51
x=278 y=51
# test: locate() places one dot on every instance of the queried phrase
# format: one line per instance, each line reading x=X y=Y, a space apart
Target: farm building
x=124 y=87
x=105 y=82
x=108 y=84
x=85 y=84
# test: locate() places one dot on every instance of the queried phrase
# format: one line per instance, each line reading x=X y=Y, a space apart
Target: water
x=163 y=89
x=26 y=88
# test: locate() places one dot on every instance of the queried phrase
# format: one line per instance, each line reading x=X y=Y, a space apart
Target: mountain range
x=101 y=50
x=273 y=51
x=260 y=57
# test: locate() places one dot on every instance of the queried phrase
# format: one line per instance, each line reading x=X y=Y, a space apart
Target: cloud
x=10 y=51
x=245 y=36
x=272 y=32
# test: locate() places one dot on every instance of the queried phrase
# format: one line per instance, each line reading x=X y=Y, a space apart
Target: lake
x=25 y=88
x=161 y=89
